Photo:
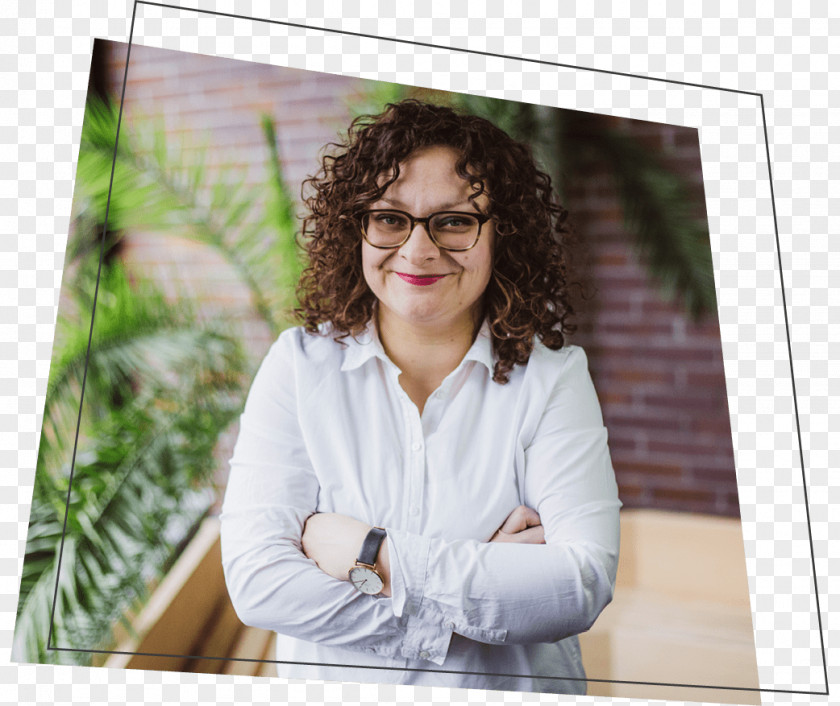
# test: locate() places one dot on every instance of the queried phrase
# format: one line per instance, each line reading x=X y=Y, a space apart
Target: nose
x=419 y=247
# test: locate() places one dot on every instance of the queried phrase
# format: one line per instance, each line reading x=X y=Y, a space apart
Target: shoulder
x=548 y=367
x=563 y=377
x=297 y=347
x=296 y=363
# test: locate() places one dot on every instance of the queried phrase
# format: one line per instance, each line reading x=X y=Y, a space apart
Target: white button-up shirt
x=328 y=428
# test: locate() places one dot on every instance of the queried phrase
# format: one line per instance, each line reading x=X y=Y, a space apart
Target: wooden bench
x=681 y=614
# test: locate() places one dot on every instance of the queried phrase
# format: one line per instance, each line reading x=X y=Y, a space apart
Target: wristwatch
x=363 y=575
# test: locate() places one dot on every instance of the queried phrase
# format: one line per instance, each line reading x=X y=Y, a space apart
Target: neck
x=426 y=351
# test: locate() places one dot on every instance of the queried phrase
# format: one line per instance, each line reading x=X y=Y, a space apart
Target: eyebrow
x=453 y=205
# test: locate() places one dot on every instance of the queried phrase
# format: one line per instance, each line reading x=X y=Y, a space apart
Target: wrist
x=370 y=573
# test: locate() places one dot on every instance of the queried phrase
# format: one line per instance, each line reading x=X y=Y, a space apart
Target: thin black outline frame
x=544 y=62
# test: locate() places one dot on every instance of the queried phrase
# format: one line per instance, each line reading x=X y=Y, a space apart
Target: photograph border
x=778 y=253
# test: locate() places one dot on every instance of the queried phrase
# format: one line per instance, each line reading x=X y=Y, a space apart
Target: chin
x=420 y=315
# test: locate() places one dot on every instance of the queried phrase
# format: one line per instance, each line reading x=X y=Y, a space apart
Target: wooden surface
x=681 y=612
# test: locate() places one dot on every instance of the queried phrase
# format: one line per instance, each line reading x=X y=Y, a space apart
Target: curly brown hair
x=528 y=291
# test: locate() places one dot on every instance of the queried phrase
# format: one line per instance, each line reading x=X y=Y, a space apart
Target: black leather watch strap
x=371 y=545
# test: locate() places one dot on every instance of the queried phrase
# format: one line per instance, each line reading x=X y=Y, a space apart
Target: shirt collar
x=361 y=348
x=366 y=345
x=482 y=348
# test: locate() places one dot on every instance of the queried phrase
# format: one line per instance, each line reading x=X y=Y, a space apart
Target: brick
x=691 y=400
x=693 y=496
x=619 y=443
x=719 y=425
x=715 y=476
x=635 y=375
x=632 y=495
x=706 y=380
x=608 y=259
x=648 y=468
x=639 y=328
x=614 y=397
x=643 y=421
x=688 y=445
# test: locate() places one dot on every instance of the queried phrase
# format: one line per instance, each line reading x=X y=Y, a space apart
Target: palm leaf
x=159 y=386
x=138 y=469
x=164 y=188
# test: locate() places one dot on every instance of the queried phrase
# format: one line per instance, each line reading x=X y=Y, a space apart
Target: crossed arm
x=333 y=540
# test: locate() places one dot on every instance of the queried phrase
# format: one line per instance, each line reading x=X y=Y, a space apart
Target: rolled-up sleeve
x=271 y=492
x=523 y=593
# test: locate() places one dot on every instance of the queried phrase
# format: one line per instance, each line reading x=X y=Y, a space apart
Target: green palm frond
x=126 y=490
x=160 y=389
x=135 y=199
x=280 y=212
x=168 y=188
x=137 y=336
x=160 y=384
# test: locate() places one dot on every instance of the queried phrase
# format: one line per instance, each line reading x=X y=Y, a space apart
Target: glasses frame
x=480 y=217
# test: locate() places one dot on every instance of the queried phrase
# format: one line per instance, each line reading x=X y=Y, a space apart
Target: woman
x=421 y=488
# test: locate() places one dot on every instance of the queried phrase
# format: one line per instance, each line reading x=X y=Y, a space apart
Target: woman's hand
x=521 y=526
x=333 y=542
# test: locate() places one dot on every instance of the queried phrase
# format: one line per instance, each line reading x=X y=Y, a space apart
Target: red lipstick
x=420 y=280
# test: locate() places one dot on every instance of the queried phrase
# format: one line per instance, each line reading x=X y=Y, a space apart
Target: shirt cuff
x=429 y=626
x=424 y=639
x=409 y=557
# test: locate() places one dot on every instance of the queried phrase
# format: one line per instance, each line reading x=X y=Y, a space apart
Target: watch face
x=366 y=580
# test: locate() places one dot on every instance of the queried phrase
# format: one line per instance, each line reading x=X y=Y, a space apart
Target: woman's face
x=455 y=282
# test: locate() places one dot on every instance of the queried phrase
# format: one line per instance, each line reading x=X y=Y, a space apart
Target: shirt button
x=414 y=510
x=450 y=625
x=416 y=446
x=424 y=655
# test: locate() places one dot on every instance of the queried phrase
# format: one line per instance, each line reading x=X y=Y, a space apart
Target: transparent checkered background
x=44 y=64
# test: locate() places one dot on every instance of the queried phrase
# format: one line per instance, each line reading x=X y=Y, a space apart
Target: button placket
x=417 y=466
x=415 y=459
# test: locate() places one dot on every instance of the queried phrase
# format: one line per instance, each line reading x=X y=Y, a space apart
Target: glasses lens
x=384 y=228
x=454 y=230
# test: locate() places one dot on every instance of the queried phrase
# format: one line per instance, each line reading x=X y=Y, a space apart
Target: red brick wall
x=659 y=376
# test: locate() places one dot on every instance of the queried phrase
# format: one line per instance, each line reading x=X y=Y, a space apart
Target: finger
x=532 y=535
x=532 y=517
x=521 y=518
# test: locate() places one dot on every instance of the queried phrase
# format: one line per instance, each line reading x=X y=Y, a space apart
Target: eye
x=455 y=221
x=390 y=220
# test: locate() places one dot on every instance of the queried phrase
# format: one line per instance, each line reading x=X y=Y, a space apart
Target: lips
x=419 y=280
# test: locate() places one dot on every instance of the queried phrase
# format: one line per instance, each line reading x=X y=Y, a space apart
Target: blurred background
x=196 y=280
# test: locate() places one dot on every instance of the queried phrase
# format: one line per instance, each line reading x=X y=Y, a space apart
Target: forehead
x=427 y=175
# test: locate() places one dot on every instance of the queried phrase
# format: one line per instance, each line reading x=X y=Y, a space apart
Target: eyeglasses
x=449 y=230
